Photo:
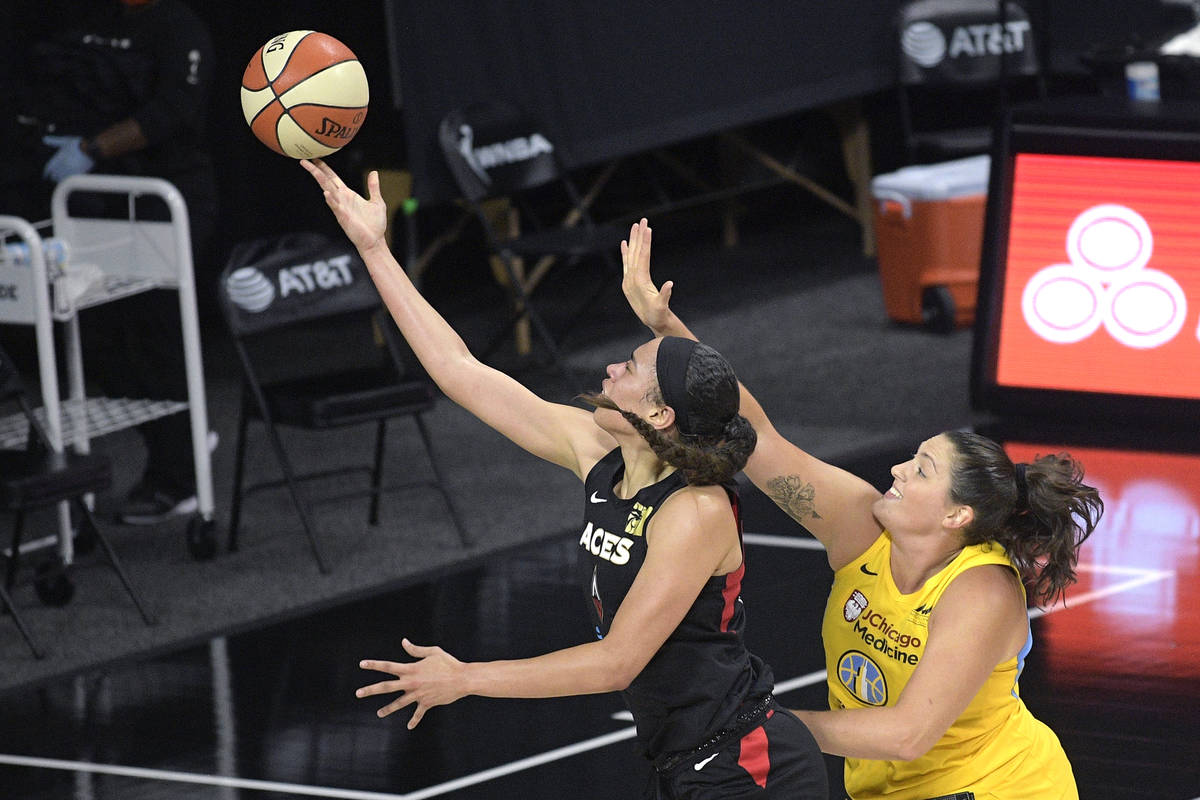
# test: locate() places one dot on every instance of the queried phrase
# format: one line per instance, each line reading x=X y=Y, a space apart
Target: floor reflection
x=271 y=714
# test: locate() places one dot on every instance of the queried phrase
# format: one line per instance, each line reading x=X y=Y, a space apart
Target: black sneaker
x=149 y=505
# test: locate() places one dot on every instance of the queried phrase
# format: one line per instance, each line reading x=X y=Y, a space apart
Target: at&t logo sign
x=1106 y=282
x=252 y=291
x=926 y=44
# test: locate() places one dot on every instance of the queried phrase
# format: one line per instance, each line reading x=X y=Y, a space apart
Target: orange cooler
x=929 y=234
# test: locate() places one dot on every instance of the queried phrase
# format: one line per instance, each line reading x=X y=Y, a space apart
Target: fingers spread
x=378 y=666
x=397 y=704
x=416 y=717
x=383 y=687
x=416 y=649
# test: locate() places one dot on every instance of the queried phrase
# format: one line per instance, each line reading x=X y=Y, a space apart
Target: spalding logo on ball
x=304 y=94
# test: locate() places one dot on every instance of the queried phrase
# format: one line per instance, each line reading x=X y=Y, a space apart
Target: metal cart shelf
x=87 y=262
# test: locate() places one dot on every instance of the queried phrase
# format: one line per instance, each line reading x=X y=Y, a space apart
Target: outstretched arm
x=832 y=504
x=559 y=433
x=691 y=538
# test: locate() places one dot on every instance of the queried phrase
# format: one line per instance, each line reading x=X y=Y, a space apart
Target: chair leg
x=377 y=472
x=539 y=325
x=88 y=519
x=239 y=459
x=14 y=557
x=11 y=608
x=290 y=479
x=463 y=538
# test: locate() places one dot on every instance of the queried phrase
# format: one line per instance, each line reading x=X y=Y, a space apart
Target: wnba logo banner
x=1102 y=281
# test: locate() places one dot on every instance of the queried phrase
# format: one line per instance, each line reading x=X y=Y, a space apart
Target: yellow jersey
x=874 y=639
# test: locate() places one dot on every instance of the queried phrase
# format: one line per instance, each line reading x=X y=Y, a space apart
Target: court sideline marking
x=1138 y=577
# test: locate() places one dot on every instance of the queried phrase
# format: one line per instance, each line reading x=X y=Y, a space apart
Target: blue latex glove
x=69 y=160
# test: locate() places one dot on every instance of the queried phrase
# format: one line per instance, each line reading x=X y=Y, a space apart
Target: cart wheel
x=937 y=309
x=51 y=583
x=201 y=538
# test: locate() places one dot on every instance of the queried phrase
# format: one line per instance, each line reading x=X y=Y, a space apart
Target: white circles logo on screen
x=1106 y=282
x=249 y=289
x=1145 y=309
x=1108 y=240
x=1063 y=304
x=924 y=43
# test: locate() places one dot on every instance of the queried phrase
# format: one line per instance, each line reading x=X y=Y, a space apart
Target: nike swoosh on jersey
x=596 y=499
x=866 y=571
x=699 y=765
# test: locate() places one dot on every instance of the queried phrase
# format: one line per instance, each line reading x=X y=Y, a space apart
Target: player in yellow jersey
x=926 y=627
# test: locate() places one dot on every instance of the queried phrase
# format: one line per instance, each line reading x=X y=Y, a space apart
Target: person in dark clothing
x=121 y=87
x=661 y=561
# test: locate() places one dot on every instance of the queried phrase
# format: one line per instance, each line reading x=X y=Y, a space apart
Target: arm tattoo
x=794 y=496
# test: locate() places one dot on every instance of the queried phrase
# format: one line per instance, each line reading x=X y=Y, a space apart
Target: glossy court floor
x=272 y=714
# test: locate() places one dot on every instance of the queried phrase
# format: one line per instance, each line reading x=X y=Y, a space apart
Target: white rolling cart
x=96 y=261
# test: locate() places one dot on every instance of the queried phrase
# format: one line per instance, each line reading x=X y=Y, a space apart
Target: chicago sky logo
x=1106 y=282
x=863 y=678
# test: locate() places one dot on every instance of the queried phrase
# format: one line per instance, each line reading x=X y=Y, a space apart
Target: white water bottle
x=1141 y=80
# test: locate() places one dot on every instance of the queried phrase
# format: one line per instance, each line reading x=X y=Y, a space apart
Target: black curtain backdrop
x=1076 y=28
x=624 y=76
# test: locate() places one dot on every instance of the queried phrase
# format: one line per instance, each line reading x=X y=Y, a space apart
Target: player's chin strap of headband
x=674 y=353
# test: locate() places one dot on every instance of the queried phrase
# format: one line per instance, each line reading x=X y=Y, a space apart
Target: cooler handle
x=885 y=196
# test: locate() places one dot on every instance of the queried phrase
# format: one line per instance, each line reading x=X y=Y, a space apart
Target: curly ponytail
x=721 y=440
x=1040 y=512
x=703 y=459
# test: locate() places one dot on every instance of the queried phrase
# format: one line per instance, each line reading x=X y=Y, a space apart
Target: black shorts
x=772 y=755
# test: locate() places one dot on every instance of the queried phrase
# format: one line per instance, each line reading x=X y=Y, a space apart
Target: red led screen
x=1102 y=280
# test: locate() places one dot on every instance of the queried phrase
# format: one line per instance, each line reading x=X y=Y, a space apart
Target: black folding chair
x=318 y=352
x=959 y=62
x=37 y=476
x=495 y=150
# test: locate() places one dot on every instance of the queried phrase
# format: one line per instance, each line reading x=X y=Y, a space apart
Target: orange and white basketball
x=304 y=94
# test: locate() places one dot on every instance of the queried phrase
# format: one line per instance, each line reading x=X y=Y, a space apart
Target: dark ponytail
x=1040 y=512
x=704 y=459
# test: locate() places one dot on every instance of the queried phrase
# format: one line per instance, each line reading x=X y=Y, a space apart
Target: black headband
x=674 y=353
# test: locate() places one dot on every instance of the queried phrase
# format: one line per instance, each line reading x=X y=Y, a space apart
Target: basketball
x=304 y=94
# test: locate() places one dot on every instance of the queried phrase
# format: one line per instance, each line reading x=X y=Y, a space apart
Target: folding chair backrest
x=964 y=42
x=494 y=149
x=284 y=281
x=302 y=304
